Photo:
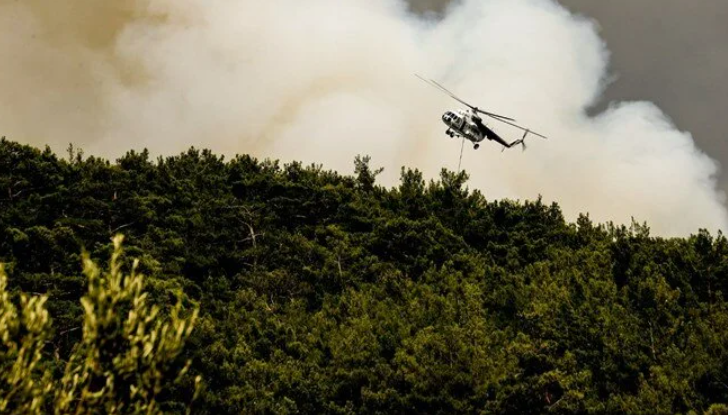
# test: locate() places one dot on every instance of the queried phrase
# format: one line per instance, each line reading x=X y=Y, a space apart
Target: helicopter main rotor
x=505 y=120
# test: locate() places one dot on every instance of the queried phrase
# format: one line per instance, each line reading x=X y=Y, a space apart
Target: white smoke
x=324 y=80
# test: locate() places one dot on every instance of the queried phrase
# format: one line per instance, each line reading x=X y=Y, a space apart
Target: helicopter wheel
x=477 y=146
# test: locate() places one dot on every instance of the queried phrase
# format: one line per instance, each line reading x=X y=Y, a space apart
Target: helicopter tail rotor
x=523 y=140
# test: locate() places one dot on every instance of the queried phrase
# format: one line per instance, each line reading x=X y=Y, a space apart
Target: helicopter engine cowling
x=472 y=131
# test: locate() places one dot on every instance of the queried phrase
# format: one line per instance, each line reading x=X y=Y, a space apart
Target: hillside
x=325 y=293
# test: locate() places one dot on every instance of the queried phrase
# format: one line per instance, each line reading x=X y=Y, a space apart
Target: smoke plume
x=323 y=80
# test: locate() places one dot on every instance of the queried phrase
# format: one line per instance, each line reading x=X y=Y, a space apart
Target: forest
x=319 y=292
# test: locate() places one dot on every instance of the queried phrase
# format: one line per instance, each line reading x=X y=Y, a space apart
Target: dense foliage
x=323 y=293
x=127 y=356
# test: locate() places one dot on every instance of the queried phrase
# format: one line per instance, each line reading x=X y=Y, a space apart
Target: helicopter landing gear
x=450 y=133
x=477 y=146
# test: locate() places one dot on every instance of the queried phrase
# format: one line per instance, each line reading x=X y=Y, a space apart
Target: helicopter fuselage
x=460 y=123
x=468 y=124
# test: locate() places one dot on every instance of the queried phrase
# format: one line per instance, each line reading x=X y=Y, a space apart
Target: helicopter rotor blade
x=490 y=114
x=445 y=90
x=450 y=93
x=455 y=97
x=435 y=84
x=528 y=131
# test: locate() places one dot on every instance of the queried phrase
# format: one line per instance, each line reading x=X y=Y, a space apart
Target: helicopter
x=469 y=125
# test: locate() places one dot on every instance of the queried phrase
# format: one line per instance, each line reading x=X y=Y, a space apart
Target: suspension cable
x=462 y=145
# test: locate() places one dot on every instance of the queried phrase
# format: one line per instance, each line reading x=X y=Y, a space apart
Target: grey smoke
x=326 y=80
x=674 y=53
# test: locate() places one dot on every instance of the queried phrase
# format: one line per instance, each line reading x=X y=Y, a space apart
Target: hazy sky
x=671 y=52
x=320 y=81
